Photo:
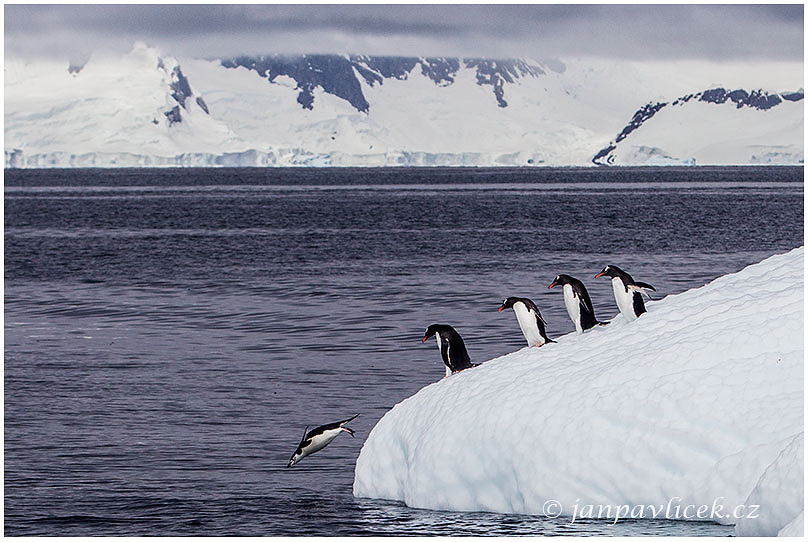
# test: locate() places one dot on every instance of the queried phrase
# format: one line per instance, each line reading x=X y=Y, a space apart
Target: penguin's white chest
x=528 y=324
x=573 y=307
x=624 y=299
x=320 y=441
x=440 y=349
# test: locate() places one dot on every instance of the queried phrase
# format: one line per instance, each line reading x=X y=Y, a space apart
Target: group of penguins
x=628 y=294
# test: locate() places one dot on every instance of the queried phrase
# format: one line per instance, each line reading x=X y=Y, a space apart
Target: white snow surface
x=112 y=113
x=779 y=492
x=795 y=528
x=693 y=409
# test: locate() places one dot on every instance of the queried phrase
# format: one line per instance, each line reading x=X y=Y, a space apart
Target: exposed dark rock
x=201 y=103
x=440 y=70
x=180 y=86
x=174 y=116
x=642 y=115
x=757 y=99
x=741 y=98
x=387 y=66
x=498 y=72
x=339 y=75
x=604 y=153
x=333 y=73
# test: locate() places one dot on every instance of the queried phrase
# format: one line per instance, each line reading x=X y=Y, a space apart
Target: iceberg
x=692 y=412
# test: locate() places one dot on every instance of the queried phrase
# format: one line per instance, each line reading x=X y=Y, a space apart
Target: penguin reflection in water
x=318 y=438
x=627 y=291
x=451 y=346
x=579 y=306
x=530 y=320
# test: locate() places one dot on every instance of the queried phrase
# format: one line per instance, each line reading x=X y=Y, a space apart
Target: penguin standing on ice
x=579 y=306
x=451 y=346
x=627 y=291
x=318 y=438
x=530 y=320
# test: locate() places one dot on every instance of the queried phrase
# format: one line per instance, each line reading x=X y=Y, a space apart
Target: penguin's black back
x=329 y=426
x=639 y=304
x=588 y=319
x=453 y=349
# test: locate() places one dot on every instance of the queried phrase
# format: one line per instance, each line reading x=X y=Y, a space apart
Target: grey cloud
x=633 y=31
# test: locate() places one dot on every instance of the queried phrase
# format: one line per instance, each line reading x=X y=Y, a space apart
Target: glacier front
x=692 y=412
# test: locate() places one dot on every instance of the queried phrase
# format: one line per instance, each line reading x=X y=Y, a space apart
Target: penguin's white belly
x=625 y=300
x=528 y=324
x=573 y=307
x=321 y=441
x=440 y=349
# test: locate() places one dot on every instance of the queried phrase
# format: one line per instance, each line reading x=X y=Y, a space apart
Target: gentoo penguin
x=627 y=291
x=529 y=318
x=451 y=346
x=579 y=306
x=318 y=438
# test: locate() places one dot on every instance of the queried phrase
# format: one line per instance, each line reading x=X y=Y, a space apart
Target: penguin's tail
x=549 y=340
x=604 y=323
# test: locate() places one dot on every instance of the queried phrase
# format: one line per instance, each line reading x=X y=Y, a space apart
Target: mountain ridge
x=147 y=108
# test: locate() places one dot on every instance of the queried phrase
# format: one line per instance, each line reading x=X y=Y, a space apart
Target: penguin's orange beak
x=500 y=309
x=599 y=275
x=551 y=285
x=424 y=340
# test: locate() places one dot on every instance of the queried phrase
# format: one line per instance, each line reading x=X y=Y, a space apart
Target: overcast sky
x=722 y=32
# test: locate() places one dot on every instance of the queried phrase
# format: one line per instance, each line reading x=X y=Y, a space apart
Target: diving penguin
x=529 y=318
x=318 y=438
x=627 y=291
x=579 y=306
x=451 y=346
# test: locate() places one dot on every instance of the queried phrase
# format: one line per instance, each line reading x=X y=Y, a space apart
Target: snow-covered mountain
x=147 y=108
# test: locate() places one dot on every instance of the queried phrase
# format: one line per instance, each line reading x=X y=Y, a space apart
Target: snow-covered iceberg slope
x=685 y=413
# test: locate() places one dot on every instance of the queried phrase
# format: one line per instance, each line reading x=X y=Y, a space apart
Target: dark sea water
x=169 y=333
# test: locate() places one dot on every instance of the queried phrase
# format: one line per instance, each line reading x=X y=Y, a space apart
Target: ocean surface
x=169 y=333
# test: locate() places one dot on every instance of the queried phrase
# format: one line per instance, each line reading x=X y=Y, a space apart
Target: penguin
x=451 y=346
x=627 y=291
x=529 y=318
x=318 y=438
x=579 y=306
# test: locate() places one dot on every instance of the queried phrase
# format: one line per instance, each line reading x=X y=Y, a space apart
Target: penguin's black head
x=430 y=332
x=560 y=279
x=508 y=303
x=610 y=271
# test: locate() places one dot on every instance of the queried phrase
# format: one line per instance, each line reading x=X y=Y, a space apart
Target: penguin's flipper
x=531 y=306
x=580 y=292
x=303 y=440
x=540 y=319
x=642 y=290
